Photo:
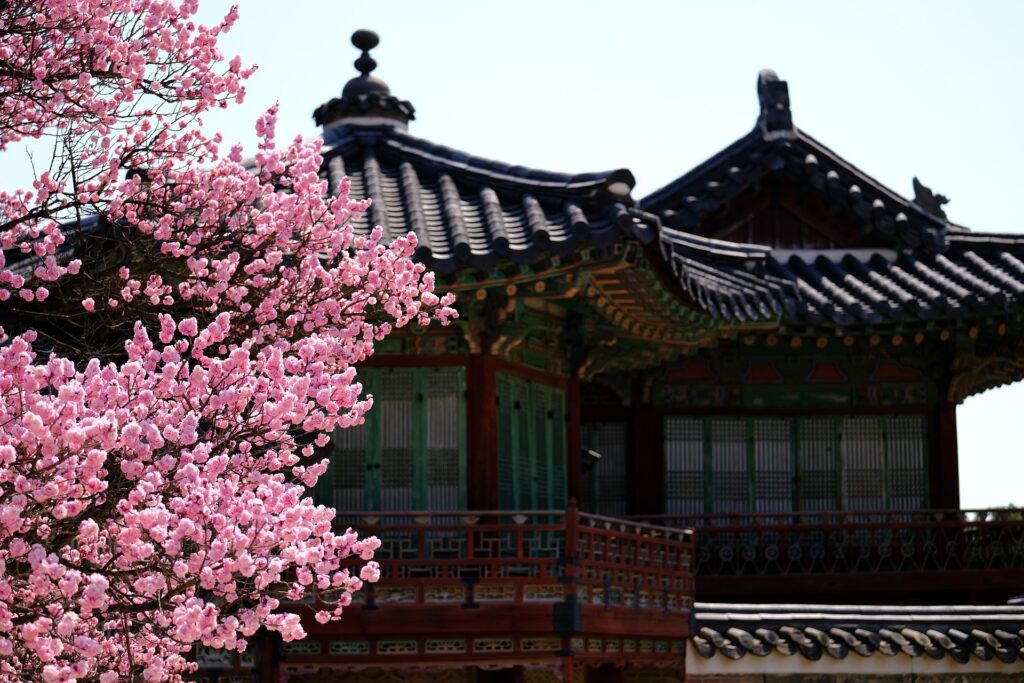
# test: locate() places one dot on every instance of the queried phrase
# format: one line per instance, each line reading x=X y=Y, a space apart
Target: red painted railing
x=497 y=556
x=854 y=542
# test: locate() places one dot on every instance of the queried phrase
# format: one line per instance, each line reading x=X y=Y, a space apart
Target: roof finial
x=365 y=40
x=366 y=99
x=774 y=96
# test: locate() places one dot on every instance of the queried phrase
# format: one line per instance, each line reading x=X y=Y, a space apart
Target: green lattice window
x=721 y=465
x=531 y=445
x=410 y=454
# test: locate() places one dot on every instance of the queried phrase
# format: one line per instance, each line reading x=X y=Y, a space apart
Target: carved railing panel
x=623 y=563
x=855 y=542
x=527 y=556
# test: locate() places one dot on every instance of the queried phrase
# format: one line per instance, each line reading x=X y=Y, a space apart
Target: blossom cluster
x=168 y=374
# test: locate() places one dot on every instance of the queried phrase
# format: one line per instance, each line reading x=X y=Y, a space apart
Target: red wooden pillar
x=648 y=475
x=482 y=432
x=574 y=440
x=944 y=468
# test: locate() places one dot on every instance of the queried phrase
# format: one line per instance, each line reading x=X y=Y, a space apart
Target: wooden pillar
x=648 y=461
x=482 y=432
x=943 y=466
x=269 y=669
x=574 y=440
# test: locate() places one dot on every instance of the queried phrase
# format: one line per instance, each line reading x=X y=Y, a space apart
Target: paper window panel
x=730 y=479
x=684 y=466
x=817 y=457
x=348 y=469
x=773 y=464
x=863 y=457
x=393 y=399
x=443 y=390
x=908 y=443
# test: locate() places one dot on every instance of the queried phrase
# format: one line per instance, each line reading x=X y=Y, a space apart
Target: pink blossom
x=165 y=489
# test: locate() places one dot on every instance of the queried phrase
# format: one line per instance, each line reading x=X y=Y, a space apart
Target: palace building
x=707 y=434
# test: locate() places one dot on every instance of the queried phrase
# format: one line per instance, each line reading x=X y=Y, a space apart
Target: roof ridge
x=610 y=186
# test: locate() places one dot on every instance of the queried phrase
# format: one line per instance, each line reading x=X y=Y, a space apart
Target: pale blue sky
x=932 y=89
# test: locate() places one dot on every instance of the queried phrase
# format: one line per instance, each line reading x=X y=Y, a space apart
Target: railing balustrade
x=483 y=557
x=854 y=542
x=499 y=556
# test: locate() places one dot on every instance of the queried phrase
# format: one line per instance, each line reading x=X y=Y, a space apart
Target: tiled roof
x=925 y=269
x=977 y=274
x=466 y=211
x=473 y=212
x=958 y=632
x=777 y=146
x=730 y=281
x=709 y=186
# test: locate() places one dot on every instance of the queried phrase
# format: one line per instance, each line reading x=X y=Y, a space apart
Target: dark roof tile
x=473 y=212
x=958 y=632
x=767 y=149
x=739 y=282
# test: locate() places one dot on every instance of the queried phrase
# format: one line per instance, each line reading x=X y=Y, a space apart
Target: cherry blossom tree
x=180 y=332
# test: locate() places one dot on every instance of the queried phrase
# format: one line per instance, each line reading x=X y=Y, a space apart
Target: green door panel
x=410 y=453
x=531 y=444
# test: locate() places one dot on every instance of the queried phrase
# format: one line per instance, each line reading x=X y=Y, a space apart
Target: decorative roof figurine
x=774 y=96
x=928 y=200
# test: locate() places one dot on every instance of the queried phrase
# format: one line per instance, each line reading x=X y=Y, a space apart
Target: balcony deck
x=532 y=587
x=902 y=557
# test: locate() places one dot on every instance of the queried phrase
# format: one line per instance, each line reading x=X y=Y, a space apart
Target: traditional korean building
x=707 y=434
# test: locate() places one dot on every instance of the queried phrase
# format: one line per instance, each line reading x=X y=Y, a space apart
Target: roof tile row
x=472 y=212
x=959 y=632
x=747 y=283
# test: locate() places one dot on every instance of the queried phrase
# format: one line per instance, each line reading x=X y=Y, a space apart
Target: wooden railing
x=497 y=556
x=806 y=543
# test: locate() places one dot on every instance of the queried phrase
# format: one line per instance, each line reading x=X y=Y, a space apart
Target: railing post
x=570 y=563
x=469 y=583
x=572 y=523
x=370 y=596
x=568 y=669
x=567 y=615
